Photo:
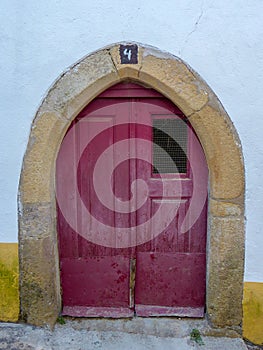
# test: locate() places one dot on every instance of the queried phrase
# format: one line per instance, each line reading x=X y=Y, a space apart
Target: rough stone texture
x=70 y=337
x=130 y=71
x=158 y=326
x=95 y=71
x=174 y=79
x=225 y=271
x=37 y=176
x=251 y=346
x=219 y=208
x=223 y=152
x=40 y=293
x=40 y=297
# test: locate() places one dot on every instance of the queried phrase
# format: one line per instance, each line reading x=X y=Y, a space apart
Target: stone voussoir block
x=225 y=161
x=78 y=78
x=225 y=208
x=173 y=78
x=126 y=70
x=39 y=161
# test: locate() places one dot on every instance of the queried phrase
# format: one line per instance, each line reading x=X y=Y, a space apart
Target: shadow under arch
x=80 y=84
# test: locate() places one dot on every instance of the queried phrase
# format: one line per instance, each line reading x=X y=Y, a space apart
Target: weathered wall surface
x=253 y=312
x=220 y=40
x=9 y=296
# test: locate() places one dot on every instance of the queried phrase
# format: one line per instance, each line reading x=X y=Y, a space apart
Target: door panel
x=165 y=282
x=170 y=275
x=94 y=277
x=132 y=229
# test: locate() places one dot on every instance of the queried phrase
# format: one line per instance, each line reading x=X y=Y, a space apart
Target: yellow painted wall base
x=9 y=294
x=253 y=312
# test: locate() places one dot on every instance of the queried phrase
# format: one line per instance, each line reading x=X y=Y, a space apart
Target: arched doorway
x=131 y=189
x=39 y=262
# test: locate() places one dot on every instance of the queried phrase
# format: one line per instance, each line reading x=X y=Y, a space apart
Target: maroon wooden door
x=131 y=192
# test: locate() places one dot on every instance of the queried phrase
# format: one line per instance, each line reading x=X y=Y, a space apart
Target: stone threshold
x=157 y=326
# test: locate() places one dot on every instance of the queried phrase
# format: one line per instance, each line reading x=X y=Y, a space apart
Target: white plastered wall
x=222 y=41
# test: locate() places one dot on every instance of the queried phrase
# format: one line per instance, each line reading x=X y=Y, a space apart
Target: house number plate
x=129 y=54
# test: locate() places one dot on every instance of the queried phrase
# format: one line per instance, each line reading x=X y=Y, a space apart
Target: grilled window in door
x=169 y=145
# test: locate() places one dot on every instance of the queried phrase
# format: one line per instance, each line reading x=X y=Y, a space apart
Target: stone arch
x=80 y=84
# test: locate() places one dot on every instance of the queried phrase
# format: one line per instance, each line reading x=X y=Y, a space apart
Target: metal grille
x=169 y=146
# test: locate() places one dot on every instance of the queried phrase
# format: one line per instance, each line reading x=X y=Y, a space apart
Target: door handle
x=132 y=281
